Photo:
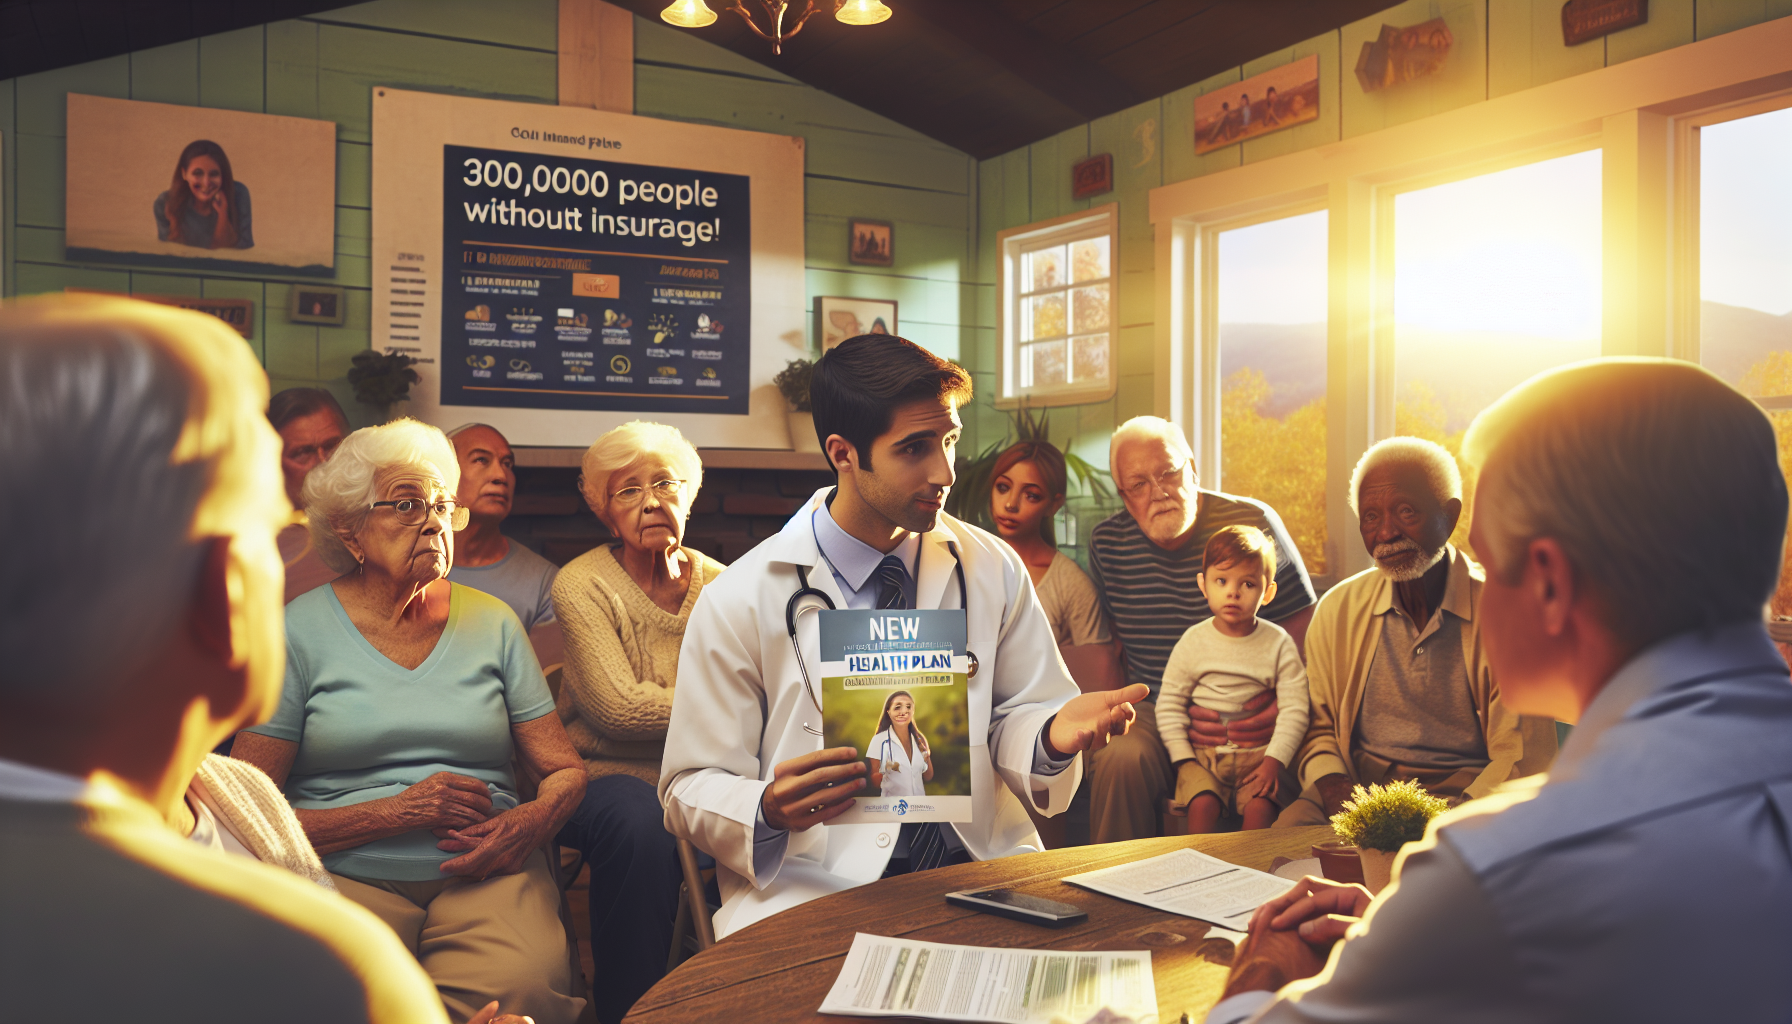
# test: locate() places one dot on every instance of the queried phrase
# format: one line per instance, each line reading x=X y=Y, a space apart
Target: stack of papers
x=905 y=977
x=1191 y=884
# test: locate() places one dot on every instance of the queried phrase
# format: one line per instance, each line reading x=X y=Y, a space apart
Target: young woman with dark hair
x=205 y=206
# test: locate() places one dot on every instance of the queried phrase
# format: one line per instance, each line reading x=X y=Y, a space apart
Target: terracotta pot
x=1338 y=861
x=802 y=432
x=1378 y=869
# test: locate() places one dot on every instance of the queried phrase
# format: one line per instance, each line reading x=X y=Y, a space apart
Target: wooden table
x=781 y=968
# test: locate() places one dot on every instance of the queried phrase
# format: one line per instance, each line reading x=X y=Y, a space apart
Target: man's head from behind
x=1407 y=496
x=487 y=471
x=1154 y=469
x=1620 y=502
x=144 y=554
x=311 y=424
x=886 y=411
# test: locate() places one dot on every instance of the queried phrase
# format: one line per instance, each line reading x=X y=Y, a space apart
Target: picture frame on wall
x=871 y=243
x=314 y=304
x=838 y=318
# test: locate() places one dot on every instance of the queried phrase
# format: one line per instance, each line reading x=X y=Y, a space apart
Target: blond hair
x=1660 y=481
x=130 y=434
x=619 y=447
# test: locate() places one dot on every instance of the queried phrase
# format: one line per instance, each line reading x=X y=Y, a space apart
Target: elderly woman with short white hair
x=622 y=608
x=406 y=697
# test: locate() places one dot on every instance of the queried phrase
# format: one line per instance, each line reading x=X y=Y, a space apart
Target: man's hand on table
x=1334 y=789
x=1252 y=730
x=1292 y=935
x=813 y=788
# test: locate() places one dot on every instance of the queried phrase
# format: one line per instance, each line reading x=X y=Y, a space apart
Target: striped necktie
x=892 y=584
x=926 y=846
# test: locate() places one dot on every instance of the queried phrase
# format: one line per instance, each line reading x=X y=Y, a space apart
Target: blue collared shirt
x=1646 y=878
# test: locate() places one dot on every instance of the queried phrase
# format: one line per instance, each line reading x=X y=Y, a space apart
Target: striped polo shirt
x=1150 y=594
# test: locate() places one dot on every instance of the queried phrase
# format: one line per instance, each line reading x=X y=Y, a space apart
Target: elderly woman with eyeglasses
x=622 y=608
x=406 y=698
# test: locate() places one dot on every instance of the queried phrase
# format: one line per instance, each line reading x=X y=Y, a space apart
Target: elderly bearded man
x=1400 y=684
x=1145 y=560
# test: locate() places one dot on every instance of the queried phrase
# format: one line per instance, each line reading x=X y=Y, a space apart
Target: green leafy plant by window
x=793 y=383
x=969 y=498
x=382 y=379
x=1387 y=817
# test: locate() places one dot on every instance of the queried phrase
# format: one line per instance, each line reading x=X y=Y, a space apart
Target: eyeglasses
x=665 y=490
x=1169 y=481
x=416 y=511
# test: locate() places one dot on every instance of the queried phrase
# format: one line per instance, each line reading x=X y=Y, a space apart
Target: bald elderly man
x=484 y=558
x=1400 y=683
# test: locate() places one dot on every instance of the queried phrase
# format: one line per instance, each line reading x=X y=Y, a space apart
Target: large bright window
x=1745 y=252
x=1058 y=304
x=1496 y=278
x=1272 y=323
x=1745 y=270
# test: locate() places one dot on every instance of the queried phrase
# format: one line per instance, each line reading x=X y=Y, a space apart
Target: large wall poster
x=561 y=270
x=158 y=184
x=591 y=284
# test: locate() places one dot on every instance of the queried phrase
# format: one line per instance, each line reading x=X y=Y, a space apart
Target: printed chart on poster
x=590 y=284
x=558 y=271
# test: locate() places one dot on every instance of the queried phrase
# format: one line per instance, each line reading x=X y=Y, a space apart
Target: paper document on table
x=885 y=977
x=1191 y=884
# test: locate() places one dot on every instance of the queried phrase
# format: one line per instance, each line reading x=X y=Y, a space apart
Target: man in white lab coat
x=744 y=776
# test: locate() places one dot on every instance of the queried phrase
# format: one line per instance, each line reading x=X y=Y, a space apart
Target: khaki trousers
x=1309 y=809
x=1130 y=779
x=479 y=941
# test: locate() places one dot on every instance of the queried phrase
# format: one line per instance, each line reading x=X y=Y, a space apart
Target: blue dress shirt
x=1648 y=877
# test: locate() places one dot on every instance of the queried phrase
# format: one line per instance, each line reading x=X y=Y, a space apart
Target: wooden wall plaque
x=1584 y=20
x=1092 y=177
x=238 y=313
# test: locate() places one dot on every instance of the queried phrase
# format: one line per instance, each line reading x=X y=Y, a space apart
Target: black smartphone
x=1019 y=906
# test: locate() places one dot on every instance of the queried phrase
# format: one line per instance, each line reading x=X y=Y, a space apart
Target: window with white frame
x=1058 y=297
x=1745 y=255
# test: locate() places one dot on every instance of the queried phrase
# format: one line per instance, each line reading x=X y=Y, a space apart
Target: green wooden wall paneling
x=532 y=24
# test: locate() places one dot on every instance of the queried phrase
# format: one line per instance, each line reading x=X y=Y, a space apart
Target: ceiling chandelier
x=696 y=14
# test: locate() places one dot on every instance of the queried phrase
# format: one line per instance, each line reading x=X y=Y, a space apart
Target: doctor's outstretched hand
x=811 y=789
x=1089 y=721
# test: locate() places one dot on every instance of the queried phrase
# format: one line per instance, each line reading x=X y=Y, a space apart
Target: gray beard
x=1407 y=573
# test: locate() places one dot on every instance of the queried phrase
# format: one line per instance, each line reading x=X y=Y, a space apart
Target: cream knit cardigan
x=621 y=662
x=260 y=816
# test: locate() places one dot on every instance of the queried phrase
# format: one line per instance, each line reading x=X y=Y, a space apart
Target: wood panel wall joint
x=597 y=56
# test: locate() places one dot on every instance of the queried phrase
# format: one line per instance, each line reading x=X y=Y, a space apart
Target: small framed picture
x=314 y=304
x=871 y=243
x=838 y=318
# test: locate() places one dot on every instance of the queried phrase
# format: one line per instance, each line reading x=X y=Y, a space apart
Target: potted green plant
x=383 y=379
x=793 y=384
x=1380 y=820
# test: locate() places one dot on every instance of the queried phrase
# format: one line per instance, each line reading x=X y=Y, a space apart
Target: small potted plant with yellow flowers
x=1380 y=820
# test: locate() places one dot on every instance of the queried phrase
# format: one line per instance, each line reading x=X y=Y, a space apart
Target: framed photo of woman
x=158 y=184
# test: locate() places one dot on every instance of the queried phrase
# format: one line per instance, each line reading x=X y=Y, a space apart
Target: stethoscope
x=792 y=613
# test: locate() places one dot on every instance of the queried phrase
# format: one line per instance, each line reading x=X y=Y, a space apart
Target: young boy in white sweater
x=1219 y=664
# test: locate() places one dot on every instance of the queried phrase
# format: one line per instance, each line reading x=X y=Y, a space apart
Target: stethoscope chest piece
x=971 y=656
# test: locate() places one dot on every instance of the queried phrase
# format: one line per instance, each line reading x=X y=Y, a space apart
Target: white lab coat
x=904 y=770
x=740 y=706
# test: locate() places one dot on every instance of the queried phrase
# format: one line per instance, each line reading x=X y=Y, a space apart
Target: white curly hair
x=338 y=492
x=1430 y=458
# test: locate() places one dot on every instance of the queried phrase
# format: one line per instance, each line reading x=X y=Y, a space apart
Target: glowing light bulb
x=861 y=12
x=688 y=14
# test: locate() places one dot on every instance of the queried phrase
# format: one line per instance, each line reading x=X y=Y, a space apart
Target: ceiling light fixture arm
x=774 y=10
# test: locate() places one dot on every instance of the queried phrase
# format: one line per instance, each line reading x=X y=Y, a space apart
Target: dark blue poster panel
x=588 y=284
